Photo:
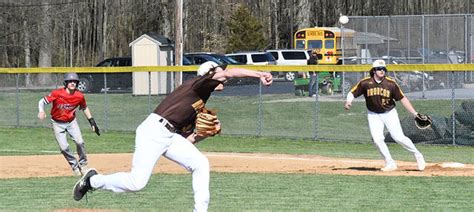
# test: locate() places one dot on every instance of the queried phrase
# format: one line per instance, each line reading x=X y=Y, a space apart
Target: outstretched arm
x=407 y=104
x=265 y=77
x=41 y=114
x=349 y=99
x=87 y=113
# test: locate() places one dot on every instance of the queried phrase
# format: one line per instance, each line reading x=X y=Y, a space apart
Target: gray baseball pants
x=61 y=130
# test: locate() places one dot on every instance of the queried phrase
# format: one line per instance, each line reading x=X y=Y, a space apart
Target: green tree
x=246 y=31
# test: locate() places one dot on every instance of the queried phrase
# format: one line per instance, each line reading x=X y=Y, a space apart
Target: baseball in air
x=343 y=19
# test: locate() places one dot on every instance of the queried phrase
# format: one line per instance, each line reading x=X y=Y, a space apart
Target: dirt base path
x=55 y=165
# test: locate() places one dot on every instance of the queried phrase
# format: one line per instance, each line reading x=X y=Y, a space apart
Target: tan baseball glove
x=207 y=123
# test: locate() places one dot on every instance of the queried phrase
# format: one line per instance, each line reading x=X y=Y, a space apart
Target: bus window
x=315 y=44
x=300 y=44
x=329 y=44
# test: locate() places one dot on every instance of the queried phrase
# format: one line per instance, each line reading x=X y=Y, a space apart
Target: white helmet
x=208 y=66
x=378 y=63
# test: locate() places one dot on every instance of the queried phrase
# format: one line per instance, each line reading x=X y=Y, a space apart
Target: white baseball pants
x=377 y=122
x=153 y=140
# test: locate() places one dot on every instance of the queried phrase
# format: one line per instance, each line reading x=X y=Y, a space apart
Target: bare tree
x=45 y=51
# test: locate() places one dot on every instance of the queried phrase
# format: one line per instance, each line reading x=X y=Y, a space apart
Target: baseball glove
x=94 y=126
x=422 y=121
x=207 y=123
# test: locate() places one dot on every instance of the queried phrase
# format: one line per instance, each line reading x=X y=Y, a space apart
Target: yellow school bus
x=327 y=40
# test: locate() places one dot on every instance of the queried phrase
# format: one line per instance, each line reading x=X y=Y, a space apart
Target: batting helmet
x=71 y=77
x=377 y=65
x=209 y=66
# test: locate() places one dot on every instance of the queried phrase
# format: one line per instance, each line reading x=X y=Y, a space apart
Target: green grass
x=34 y=141
x=253 y=192
x=239 y=114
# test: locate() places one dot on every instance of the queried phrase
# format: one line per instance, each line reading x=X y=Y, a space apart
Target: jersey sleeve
x=397 y=92
x=357 y=90
x=82 y=103
x=205 y=84
x=51 y=97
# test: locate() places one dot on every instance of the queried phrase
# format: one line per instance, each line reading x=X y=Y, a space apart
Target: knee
x=64 y=149
x=400 y=138
x=379 y=140
x=202 y=164
x=138 y=183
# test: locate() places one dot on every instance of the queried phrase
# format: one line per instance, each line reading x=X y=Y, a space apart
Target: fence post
x=17 y=100
x=453 y=121
x=259 y=114
x=106 y=104
x=316 y=108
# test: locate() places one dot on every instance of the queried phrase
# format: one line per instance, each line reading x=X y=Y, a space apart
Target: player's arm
x=407 y=104
x=349 y=98
x=41 y=114
x=194 y=137
x=91 y=120
x=265 y=77
x=355 y=92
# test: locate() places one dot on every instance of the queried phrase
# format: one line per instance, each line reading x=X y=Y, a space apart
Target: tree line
x=47 y=33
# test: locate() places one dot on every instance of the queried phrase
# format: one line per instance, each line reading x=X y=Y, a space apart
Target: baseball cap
x=208 y=66
x=378 y=64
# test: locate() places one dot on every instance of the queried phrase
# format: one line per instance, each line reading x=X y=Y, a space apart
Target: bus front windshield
x=315 y=44
x=329 y=44
x=300 y=44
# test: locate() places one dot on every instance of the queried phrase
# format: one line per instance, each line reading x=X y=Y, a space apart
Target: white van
x=290 y=57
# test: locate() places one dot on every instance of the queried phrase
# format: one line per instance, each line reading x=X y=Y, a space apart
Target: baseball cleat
x=83 y=185
x=420 y=161
x=77 y=171
x=389 y=168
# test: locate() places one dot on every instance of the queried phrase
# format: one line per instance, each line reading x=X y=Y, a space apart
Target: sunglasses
x=72 y=81
x=381 y=69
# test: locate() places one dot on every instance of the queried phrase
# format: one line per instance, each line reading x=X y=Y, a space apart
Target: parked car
x=196 y=60
x=202 y=57
x=220 y=57
x=253 y=58
x=116 y=82
x=290 y=57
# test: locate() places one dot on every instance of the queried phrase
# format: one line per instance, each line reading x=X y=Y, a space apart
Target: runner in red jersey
x=63 y=117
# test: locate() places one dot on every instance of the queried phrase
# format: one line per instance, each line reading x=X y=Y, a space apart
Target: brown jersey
x=180 y=106
x=379 y=97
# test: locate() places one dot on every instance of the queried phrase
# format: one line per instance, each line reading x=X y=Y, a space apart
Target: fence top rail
x=284 y=68
x=411 y=16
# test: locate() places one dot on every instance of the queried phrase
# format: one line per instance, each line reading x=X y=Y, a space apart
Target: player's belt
x=168 y=126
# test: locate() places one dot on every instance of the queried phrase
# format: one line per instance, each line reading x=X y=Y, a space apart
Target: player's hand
x=42 y=115
x=94 y=126
x=266 y=78
x=348 y=105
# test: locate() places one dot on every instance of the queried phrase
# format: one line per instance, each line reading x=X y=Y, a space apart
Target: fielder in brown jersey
x=380 y=94
x=168 y=131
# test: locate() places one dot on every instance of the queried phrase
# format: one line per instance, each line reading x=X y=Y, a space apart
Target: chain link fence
x=248 y=109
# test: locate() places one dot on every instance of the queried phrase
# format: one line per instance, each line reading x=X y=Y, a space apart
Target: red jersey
x=65 y=104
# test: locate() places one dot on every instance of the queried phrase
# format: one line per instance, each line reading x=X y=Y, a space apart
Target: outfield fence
x=246 y=108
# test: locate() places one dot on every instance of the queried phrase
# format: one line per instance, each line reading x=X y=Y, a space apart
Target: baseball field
x=248 y=174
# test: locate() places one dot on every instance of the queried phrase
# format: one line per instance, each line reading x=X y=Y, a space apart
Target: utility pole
x=178 y=49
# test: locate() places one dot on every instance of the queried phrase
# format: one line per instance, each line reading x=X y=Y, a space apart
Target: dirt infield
x=55 y=165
